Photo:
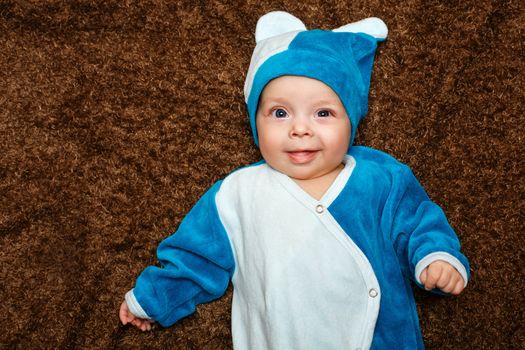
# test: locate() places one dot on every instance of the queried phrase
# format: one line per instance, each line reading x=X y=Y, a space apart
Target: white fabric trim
x=134 y=306
x=340 y=181
x=372 y=284
x=452 y=260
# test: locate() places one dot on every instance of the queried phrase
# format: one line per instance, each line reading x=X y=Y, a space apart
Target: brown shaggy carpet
x=116 y=116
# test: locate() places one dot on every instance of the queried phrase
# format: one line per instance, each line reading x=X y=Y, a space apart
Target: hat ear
x=276 y=23
x=372 y=26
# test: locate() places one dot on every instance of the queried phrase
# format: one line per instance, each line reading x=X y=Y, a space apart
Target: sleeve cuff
x=452 y=260
x=134 y=306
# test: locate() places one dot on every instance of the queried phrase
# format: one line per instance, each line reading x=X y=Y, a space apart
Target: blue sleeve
x=197 y=264
x=418 y=226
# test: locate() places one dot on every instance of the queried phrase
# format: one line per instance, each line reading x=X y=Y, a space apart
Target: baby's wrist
x=134 y=306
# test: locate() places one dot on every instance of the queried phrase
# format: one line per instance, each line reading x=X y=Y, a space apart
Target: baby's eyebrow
x=281 y=100
x=272 y=99
x=327 y=103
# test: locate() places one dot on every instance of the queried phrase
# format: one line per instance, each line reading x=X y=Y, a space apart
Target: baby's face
x=302 y=126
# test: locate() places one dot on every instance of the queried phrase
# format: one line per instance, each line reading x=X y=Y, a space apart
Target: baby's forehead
x=296 y=87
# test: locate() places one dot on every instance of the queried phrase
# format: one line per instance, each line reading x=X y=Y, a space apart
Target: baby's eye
x=279 y=113
x=324 y=113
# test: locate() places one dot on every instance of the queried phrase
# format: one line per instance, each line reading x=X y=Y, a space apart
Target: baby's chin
x=304 y=173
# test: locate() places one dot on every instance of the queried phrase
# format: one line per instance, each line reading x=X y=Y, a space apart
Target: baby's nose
x=300 y=127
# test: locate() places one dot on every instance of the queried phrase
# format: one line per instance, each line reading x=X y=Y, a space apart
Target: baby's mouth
x=302 y=156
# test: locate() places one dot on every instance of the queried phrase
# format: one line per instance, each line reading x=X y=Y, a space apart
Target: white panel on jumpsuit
x=300 y=281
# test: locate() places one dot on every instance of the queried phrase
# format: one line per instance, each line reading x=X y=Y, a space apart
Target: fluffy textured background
x=117 y=115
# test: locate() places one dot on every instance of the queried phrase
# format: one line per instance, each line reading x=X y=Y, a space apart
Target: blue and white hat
x=341 y=58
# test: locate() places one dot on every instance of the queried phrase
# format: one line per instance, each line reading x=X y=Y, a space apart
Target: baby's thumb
x=423 y=276
x=124 y=314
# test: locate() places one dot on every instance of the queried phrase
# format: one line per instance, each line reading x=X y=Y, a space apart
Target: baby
x=321 y=238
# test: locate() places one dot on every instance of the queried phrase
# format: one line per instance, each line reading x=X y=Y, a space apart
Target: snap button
x=319 y=208
x=373 y=293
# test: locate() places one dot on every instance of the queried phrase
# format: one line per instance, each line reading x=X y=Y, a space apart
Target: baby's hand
x=444 y=276
x=127 y=317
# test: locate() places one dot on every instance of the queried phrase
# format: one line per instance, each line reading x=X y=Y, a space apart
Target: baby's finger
x=136 y=322
x=460 y=285
x=447 y=277
x=145 y=326
x=451 y=285
x=433 y=275
x=140 y=325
